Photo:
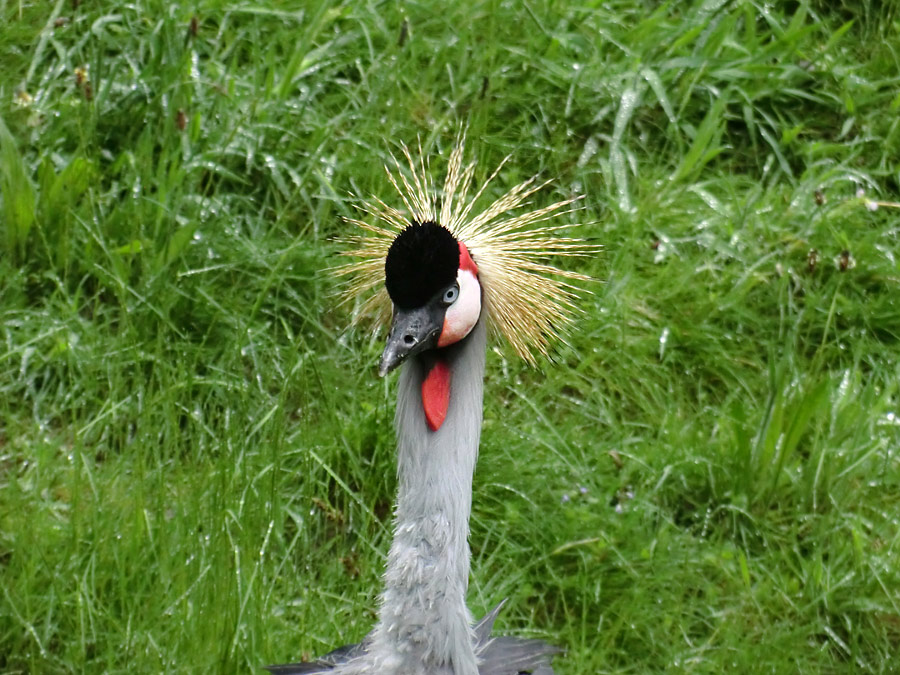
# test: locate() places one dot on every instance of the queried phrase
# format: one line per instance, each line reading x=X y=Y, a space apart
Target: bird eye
x=450 y=295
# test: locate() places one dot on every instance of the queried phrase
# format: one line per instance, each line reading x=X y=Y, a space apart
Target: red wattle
x=465 y=260
x=436 y=394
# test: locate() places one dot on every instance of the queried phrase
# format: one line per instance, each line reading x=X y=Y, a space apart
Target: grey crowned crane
x=444 y=275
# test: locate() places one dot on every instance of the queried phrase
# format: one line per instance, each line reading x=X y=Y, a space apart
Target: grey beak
x=412 y=331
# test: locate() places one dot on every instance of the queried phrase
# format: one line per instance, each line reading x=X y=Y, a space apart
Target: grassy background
x=196 y=456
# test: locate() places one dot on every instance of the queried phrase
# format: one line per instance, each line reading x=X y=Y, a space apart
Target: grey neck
x=424 y=624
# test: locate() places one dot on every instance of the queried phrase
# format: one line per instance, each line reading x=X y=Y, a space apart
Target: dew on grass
x=663 y=339
x=887 y=252
x=590 y=149
x=195 y=67
x=844 y=386
x=890 y=419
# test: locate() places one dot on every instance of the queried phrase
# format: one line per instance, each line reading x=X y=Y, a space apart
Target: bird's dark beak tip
x=412 y=332
x=390 y=359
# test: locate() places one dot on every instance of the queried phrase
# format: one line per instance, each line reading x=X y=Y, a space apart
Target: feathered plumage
x=424 y=626
x=528 y=300
x=496 y=655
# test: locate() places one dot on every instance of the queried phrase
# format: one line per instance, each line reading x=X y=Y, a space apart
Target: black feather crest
x=422 y=260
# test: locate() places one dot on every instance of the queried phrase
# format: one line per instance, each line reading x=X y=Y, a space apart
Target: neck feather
x=423 y=618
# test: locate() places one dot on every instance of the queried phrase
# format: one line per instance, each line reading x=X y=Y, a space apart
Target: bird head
x=433 y=284
x=435 y=266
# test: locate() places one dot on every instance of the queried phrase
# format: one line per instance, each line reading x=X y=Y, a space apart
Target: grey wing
x=510 y=655
x=322 y=665
x=496 y=655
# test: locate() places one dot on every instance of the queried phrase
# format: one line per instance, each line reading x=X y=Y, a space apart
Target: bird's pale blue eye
x=451 y=294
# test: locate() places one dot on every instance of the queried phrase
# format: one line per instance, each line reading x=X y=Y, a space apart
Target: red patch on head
x=465 y=260
x=436 y=394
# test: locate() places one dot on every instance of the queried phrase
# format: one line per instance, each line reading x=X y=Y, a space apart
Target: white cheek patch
x=463 y=314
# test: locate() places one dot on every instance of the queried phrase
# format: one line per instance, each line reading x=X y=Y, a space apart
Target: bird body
x=445 y=283
x=496 y=656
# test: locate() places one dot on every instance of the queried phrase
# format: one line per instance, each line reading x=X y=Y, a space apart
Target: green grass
x=196 y=455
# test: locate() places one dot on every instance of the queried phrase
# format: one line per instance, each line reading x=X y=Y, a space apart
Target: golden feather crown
x=528 y=300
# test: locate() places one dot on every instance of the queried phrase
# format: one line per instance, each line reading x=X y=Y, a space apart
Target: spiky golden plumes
x=528 y=300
